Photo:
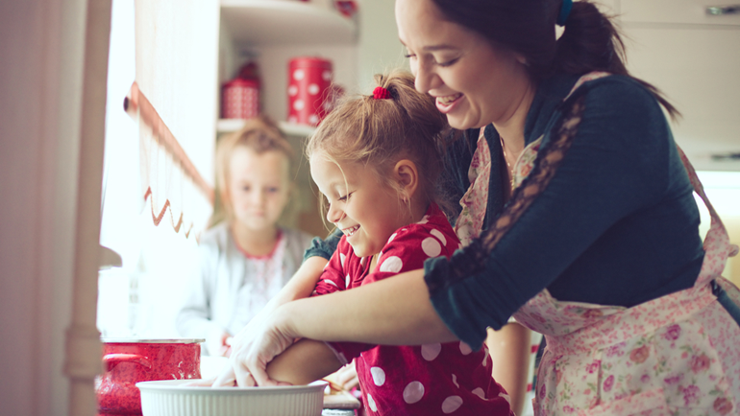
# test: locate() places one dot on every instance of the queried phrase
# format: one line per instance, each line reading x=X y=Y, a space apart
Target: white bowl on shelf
x=176 y=398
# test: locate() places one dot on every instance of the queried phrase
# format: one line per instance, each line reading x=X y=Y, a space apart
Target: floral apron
x=678 y=354
x=675 y=355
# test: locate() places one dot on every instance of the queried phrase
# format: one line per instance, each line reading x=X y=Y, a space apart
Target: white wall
x=41 y=45
x=379 y=47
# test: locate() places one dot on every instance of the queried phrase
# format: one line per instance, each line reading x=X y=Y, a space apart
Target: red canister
x=127 y=362
x=309 y=79
x=240 y=98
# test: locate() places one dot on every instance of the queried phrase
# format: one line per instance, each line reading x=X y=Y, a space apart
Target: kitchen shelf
x=228 y=125
x=253 y=22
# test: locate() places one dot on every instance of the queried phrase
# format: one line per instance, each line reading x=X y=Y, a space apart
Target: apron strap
x=699 y=189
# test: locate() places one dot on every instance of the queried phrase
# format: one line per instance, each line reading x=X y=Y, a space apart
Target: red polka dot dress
x=432 y=379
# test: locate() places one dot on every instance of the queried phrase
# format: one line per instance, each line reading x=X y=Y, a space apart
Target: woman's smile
x=446 y=103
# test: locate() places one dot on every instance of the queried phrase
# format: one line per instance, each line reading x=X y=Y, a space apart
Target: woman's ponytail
x=591 y=42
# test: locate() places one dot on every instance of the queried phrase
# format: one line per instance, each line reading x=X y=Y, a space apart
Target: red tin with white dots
x=240 y=98
x=309 y=79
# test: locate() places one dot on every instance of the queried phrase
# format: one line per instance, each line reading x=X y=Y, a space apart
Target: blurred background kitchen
x=74 y=165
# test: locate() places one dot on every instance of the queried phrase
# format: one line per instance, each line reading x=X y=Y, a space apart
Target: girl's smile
x=350 y=231
x=363 y=207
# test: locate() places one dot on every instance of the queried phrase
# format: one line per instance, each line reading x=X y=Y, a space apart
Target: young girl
x=375 y=160
x=247 y=258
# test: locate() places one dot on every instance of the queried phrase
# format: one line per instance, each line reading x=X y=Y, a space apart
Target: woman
x=597 y=246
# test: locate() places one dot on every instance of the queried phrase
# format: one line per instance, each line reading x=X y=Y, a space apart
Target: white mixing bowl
x=175 y=398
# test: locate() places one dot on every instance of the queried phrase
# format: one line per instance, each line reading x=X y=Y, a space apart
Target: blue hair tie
x=564 y=12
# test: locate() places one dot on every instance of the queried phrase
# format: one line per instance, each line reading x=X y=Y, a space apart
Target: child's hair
x=261 y=135
x=379 y=132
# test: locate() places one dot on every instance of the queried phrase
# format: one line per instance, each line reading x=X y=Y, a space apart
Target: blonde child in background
x=376 y=161
x=246 y=258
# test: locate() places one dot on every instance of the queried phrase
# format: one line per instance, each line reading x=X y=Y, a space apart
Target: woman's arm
x=303 y=362
x=393 y=311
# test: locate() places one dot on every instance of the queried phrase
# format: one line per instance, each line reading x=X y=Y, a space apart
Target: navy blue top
x=616 y=225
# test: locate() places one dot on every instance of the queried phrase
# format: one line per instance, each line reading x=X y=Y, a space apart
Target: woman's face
x=474 y=82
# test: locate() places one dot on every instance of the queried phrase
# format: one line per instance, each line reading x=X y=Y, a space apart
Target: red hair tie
x=380 y=93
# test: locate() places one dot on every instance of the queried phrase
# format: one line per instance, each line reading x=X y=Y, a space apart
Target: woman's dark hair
x=590 y=41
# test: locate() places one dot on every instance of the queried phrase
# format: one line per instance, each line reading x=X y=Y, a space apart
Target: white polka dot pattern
x=413 y=392
x=347 y=279
x=299 y=74
x=424 y=220
x=292 y=90
x=391 y=264
x=326 y=75
x=479 y=392
x=430 y=351
x=454 y=381
x=378 y=375
x=298 y=105
x=451 y=404
x=392 y=237
x=313 y=89
x=431 y=247
x=331 y=282
x=439 y=235
x=465 y=348
x=371 y=403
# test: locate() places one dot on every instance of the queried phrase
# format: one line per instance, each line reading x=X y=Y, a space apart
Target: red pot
x=129 y=361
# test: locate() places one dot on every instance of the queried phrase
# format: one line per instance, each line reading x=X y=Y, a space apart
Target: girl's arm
x=299 y=286
x=510 y=351
x=303 y=362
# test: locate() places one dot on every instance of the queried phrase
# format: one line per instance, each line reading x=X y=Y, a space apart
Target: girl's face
x=258 y=187
x=365 y=209
x=474 y=83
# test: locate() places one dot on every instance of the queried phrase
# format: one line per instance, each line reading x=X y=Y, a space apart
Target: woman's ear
x=407 y=177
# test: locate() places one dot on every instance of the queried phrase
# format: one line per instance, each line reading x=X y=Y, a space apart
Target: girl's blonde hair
x=380 y=132
x=261 y=135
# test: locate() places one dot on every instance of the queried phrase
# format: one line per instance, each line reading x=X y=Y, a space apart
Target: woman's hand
x=252 y=348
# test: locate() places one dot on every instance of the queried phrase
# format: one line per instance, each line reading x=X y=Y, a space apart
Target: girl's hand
x=216 y=342
x=347 y=376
